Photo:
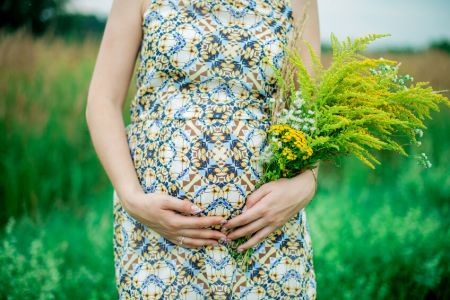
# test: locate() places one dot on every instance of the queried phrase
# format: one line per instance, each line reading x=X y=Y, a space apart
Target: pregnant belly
x=211 y=162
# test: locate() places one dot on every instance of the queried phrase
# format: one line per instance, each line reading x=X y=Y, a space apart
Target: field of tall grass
x=376 y=234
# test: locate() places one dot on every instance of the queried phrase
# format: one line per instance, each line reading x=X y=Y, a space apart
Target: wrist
x=314 y=174
x=128 y=197
x=310 y=176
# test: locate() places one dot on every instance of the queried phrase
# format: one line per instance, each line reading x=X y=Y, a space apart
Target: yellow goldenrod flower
x=289 y=134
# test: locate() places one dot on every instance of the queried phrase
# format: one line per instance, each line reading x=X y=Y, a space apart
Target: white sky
x=411 y=22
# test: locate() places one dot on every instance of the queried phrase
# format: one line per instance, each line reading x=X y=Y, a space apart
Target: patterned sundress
x=198 y=125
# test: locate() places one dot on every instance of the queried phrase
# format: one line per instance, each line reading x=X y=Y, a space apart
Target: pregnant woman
x=186 y=166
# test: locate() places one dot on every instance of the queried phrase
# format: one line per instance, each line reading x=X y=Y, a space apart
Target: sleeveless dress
x=198 y=125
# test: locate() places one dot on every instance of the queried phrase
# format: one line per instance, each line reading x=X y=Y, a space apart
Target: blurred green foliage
x=443 y=45
x=78 y=27
x=62 y=257
x=35 y=15
x=381 y=234
x=49 y=17
x=49 y=160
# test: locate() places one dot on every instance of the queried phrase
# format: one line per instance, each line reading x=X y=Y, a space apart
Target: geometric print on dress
x=206 y=58
x=198 y=127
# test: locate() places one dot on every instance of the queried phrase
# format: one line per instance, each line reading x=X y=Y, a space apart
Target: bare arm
x=311 y=33
x=107 y=93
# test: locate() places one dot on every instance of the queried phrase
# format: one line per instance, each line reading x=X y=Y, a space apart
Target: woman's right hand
x=164 y=214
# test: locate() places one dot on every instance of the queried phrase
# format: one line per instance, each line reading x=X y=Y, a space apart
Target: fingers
x=176 y=221
x=182 y=206
x=248 y=229
x=256 y=238
x=246 y=217
x=203 y=234
x=256 y=196
x=195 y=238
x=189 y=242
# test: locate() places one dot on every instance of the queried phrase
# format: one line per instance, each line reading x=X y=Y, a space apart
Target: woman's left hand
x=271 y=206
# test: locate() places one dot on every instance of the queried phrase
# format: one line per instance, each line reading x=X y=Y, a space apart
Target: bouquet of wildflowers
x=356 y=106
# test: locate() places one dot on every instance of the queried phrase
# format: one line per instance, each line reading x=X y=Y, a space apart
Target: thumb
x=182 y=206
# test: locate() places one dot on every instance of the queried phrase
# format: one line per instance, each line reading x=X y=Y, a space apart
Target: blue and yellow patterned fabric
x=198 y=125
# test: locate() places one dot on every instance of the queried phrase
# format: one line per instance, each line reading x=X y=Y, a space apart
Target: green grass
x=62 y=256
x=381 y=234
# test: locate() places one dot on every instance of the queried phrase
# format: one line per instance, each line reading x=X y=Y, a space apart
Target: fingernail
x=240 y=249
x=244 y=209
x=195 y=209
x=223 y=222
x=223 y=240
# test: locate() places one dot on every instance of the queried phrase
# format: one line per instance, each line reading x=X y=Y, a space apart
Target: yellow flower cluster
x=289 y=134
x=289 y=154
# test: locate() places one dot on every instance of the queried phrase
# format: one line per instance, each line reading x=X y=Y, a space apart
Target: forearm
x=311 y=34
x=107 y=130
x=307 y=179
x=311 y=31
